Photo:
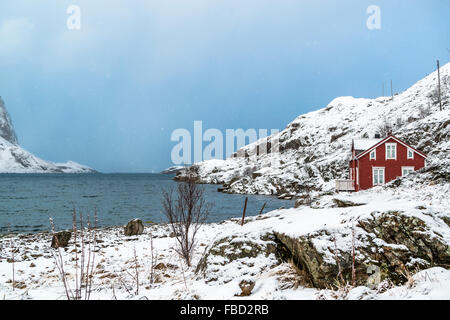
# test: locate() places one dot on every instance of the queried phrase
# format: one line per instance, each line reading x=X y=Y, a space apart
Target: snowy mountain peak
x=6 y=127
x=14 y=159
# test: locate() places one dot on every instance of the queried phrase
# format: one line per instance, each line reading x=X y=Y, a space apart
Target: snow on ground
x=37 y=278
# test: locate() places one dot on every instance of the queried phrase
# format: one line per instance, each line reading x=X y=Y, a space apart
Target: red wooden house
x=377 y=161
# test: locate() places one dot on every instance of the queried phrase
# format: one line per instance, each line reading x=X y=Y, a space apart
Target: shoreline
x=226 y=255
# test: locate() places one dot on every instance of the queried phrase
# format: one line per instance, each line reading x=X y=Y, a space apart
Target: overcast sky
x=110 y=94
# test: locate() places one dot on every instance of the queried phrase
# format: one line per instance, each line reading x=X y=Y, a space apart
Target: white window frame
x=373 y=176
x=395 y=148
x=357 y=176
x=374 y=152
x=412 y=152
x=407 y=168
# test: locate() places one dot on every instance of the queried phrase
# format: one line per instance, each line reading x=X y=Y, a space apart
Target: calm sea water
x=27 y=201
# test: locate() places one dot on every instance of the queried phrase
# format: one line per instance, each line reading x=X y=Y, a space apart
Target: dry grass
x=290 y=276
x=409 y=276
x=84 y=262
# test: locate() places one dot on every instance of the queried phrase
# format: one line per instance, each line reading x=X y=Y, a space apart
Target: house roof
x=383 y=141
x=364 y=144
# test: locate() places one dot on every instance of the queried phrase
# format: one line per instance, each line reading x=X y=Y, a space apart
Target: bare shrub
x=153 y=260
x=342 y=287
x=14 y=250
x=424 y=111
x=434 y=96
x=340 y=278
x=135 y=276
x=385 y=127
x=399 y=123
x=408 y=275
x=186 y=213
x=353 y=258
x=85 y=245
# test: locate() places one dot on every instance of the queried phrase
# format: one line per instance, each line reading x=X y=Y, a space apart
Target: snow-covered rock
x=393 y=232
x=315 y=147
x=172 y=170
x=15 y=159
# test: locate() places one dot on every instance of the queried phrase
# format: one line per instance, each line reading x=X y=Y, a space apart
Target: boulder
x=246 y=288
x=134 y=227
x=61 y=239
x=243 y=254
x=346 y=203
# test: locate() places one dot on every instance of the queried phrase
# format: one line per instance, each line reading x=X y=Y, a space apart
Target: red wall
x=392 y=168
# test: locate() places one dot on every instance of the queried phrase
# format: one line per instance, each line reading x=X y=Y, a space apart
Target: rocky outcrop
x=324 y=245
x=388 y=246
x=6 y=126
x=172 y=170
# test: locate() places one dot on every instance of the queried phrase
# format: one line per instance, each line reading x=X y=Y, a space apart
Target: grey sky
x=109 y=95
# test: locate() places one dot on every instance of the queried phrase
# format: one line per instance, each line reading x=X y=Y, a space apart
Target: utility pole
x=392 y=92
x=439 y=86
x=243 y=213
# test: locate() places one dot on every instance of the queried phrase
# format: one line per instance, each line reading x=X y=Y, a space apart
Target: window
x=391 y=151
x=378 y=176
x=407 y=170
x=373 y=154
x=410 y=154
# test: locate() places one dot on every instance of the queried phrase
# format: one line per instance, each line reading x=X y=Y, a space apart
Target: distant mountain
x=14 y=159
x=6 y=127
x=314 y=149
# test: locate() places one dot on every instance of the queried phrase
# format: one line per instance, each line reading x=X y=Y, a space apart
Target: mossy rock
x=391 y=241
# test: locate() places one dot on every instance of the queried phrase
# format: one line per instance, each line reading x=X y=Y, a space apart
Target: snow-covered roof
x=363 y=152
x=364 y=144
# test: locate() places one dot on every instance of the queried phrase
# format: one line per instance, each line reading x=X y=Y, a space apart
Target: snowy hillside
x=14 y=159
x=314 y=148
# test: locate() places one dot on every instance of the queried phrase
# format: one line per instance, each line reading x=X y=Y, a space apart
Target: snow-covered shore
x=234 y=253
x=396 y=237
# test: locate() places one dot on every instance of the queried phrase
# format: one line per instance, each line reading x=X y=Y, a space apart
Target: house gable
x=385 y=140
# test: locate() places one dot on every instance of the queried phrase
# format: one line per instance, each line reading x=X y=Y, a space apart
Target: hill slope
x=314 y=148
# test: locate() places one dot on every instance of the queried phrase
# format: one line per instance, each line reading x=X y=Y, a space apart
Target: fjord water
x=27 y=201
